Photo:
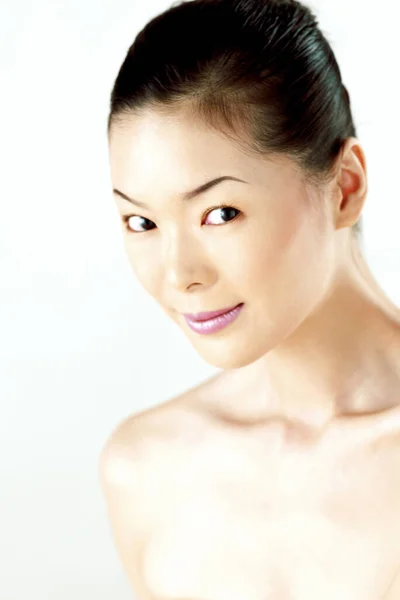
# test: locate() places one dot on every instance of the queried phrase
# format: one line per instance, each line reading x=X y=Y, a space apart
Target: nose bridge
x=177 y=247
x=182 y=258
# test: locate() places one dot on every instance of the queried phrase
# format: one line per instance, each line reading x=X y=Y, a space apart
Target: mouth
x=215 y=324
x=206 y=316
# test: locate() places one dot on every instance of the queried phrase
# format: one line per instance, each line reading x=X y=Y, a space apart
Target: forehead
x=155 y=153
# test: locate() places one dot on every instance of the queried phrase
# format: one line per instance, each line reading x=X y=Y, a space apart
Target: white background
x=81 y=344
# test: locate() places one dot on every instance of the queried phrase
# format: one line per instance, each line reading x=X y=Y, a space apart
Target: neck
x=344 y=359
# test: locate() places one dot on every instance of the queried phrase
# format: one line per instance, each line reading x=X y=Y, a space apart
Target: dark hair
x=261 y=67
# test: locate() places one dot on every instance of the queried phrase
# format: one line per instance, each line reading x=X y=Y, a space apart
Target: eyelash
x=125 y=218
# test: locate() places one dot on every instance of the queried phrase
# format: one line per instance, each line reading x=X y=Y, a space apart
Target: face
x=270 y=248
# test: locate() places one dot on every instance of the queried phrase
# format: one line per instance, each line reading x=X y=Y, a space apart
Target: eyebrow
x=187 y=195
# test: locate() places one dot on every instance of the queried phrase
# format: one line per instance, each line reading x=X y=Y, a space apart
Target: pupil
x=228 y=212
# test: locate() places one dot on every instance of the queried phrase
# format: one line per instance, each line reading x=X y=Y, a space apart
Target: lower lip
x=215 y=324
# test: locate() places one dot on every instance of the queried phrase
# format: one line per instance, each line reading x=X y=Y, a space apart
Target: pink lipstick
x=206 y=323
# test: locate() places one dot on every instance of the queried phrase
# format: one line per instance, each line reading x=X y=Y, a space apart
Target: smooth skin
x=279 y=477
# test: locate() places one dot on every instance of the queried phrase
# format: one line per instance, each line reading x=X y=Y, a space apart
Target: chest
x=281 y=525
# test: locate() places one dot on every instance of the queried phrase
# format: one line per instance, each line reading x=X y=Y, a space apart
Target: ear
x=352 y=184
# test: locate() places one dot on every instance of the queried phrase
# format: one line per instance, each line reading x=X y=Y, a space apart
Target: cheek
x=143 y=265
x=288 y=264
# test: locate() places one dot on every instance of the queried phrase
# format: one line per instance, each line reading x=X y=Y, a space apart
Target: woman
x=240 y=182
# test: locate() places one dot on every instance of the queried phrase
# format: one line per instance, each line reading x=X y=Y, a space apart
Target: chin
x=231 y=356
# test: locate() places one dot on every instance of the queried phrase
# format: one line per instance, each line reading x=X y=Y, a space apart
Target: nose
x=185 y=263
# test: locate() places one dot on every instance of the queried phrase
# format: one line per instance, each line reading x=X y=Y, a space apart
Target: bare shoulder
x=139 y=467
x=152 y=435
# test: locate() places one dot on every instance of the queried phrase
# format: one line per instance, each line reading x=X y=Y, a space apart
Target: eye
x=226 y=211
x=129 y=223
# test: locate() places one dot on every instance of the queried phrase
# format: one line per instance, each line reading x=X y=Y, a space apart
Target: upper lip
x=203 y=316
